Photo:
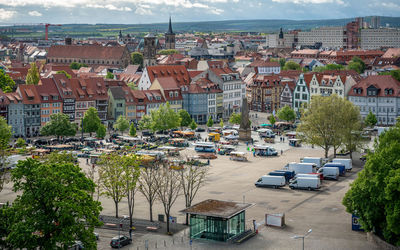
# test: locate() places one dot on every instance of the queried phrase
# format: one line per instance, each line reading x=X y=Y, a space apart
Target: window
x=119 y=105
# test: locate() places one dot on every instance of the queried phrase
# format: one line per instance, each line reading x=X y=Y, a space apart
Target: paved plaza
x=234 y=181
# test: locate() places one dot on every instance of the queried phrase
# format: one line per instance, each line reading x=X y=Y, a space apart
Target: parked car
x=76 y=246
x=147 y=133
x=200 y=130
x=83 y=155
x=119 y=241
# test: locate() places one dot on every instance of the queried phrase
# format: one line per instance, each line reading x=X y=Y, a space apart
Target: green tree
x=361 y=62
x=137 y=58
x=375 y=194
x=355 y=66
x=130 y=164
x=328 y=67
x=109 y=75
x=210 y=122
x=351 y=127
x=370 y=120
x=101 y=131
x=121 y=124
x=65 y=73
x=6 y=83
x=59 y=125
x=132 y=130
x=20 y=143
x=282 y=62
x=286 y=114
x=394 y=73
x=235 y=118
x=60 y=157
x=221 y=123
x=112 y=178
x=75 y=65
x=145 y=122
x=168 y=52
x=321 y=121
x=272 y=119
x=5 y=136
x=91 y=121
x=186 y=120
x=290 y=65
x=164 y=118
x=193 y=125
x=33 y=75
x=54 y=207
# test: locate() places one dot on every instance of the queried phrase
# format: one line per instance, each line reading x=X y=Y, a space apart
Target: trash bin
x=161 y=218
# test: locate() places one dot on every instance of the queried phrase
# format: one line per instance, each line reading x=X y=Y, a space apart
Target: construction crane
x=47 y=25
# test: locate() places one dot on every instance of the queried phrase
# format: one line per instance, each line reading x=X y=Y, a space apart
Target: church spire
x=170 y=27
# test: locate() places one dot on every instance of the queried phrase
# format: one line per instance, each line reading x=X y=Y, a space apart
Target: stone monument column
x=245 y=130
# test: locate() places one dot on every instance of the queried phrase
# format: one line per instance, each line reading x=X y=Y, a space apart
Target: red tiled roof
x=392 y=53
x=263 y=63
x=222 y=71
x=29 y=94
x=86 y=51
x=381 y=82
x=13 y=97
x=64 y=86
x=47 y=87
x=168 y=83
x=194 y=73
x=178 y=72
x=216 y=64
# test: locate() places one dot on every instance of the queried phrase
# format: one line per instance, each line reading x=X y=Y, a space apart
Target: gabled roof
x=29 y=94
x=3 y=98
x=168 y=83
x=87 y=52
x=222 y=71
x=117 y=92
x=47 y=87
x=263 y=63
x=13 y=97
x=381 y=82
x=64 y=86
x=178 y=72
x=392 y=53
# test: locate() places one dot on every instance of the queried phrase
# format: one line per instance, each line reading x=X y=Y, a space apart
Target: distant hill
x=264 y=26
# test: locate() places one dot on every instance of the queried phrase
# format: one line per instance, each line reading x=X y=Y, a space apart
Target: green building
x=217 y=220
x=116 y=103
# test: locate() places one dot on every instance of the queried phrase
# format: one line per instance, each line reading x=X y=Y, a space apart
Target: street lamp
x=302 y=236
x=119 y=231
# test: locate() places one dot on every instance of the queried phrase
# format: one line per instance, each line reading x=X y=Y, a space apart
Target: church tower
x=149 y=50
x=170 y=37
x=281 y=41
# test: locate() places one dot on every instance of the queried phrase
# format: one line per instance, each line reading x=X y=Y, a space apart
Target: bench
x=152 y=229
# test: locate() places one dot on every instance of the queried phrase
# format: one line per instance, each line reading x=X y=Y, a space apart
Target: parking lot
x=234 y=181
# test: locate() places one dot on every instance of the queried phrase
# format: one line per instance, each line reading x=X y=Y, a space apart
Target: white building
x=330 y=37
x=377 y=38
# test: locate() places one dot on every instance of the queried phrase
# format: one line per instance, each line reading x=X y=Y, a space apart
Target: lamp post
x=302 y=236
x=119 y=231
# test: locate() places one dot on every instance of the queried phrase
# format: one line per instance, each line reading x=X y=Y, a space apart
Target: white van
x=302 y=168
x=346 y=162
x=316 y=160
x=307 y=175
x=329 y=173
x=271 y=181
x=305 y=183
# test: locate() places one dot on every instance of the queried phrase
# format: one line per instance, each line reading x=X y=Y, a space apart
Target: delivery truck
x=301 y=168
x=287 y=174
x=342 y=168
x=330 y=173
x=305 y=183
x=316 y=160
x=271 y=181
x=346 y=162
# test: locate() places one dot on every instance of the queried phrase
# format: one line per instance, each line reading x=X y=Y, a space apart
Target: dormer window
x=355 y=91
x=176 y=93
x=55 y=97
x=171 y=94
x=45 y=98
x=158 y=98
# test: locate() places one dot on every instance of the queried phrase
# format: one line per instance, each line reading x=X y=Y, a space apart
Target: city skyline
x=156 y=11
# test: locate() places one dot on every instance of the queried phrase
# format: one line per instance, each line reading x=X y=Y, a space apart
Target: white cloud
x=309 y=1
x=108 y=7
x=143 y=10
x=6 y=14
x=216 y=11
x=34 y=13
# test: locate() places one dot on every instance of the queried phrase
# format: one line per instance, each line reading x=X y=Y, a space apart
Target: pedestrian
x=281 y=152
x=87 y=161
x=247 y=143
x=254 y=153
x=208 y=161
x=283 y=138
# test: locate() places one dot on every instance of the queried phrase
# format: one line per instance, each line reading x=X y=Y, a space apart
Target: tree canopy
x=65 y=73
x=75 y=65
x=59 y=125
x=121 y=124
x=53 y=210
x=91 y=121
x=375 y=194
x=328 y=67
x=132 y=130
x=109 y=75
x=33 y=75
x=291 y=66
x=5 y=136
x=186 y=120
x=168 y=52
x=6 y=83
x=357 y=64
x=370 y=120
x=394 y=73
x=286 y=114
x=193 y=125
x=210 y=122
x=327 y=120
x=101 y=131
x=235 y=118
x=164 y=118
x=137 y=58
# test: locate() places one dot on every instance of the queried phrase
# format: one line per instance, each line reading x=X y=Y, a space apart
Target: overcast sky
x=152 y=11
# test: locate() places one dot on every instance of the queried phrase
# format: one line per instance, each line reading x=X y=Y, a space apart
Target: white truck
x=305 y=183
x=329 y=173
x=301 y=168
x=316 y=160
x=271 y=181
x=346 y=162
x=306 y=175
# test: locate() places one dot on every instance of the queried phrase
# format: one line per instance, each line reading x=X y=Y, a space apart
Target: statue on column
x=245 y=129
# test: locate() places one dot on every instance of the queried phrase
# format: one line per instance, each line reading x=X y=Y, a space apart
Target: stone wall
x=380 y=243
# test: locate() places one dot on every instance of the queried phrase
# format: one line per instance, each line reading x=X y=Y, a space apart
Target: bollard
x=137 y=248
x=156 y=244
x=173 y=241
x=165 y=244
x=182 y=239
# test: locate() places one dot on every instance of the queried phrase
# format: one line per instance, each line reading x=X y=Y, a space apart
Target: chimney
x=68 y=41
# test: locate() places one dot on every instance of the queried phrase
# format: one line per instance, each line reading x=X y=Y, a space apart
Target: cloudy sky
x=152 y=11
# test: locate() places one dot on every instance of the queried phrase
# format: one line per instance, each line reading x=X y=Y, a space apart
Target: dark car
x=200 y=130
x=120 y=241
x=83 y=155
x=40 y=142
x=147 y=133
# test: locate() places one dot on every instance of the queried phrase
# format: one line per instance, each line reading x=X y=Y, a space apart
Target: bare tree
x=169 y=188
x=132 y=173
x=92 y=173
x=112 y=178
x=148 y=186
x=192 y=178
